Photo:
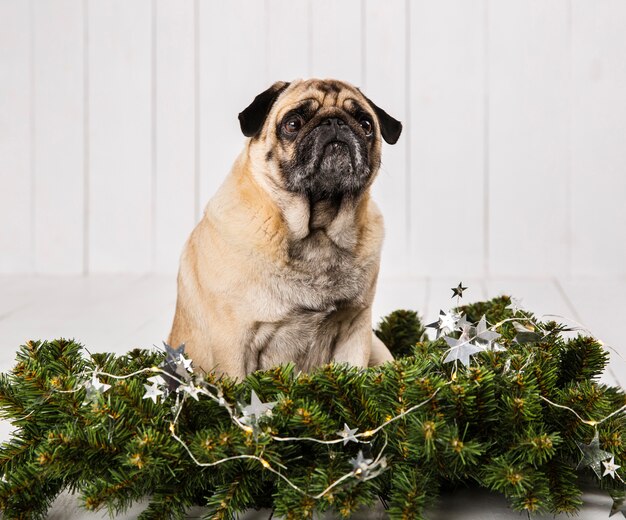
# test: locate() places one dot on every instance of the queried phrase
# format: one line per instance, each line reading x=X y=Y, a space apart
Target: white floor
x=117 y=313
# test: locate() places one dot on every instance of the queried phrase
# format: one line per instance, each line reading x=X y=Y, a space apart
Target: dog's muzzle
x=330 y=160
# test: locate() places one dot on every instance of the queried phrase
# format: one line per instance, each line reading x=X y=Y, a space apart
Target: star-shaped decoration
x=172 y=355
x=365 y=469
x=464 y=325
x=458 y=290
x=485 y=335
x=256 y=408
x=175 y=365
x=186 y=363
x=361 y=466
x=461 y=349
x=348 y=434
x=610 y=467
x=618 y=507
x=593 y=455
x=446 y=322
x=515 y=305
x=181 y=370
x=95 y=388
x=99 y=385
x=157 y=380
x=497 y=347
x=191 y=389
x=152 y=392
x=526 y=334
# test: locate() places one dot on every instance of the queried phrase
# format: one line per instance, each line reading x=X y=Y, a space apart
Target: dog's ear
x=253 y=117
x=390 y=128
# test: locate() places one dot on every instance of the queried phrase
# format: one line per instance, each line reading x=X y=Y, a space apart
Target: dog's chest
x=314 y=298
x=323 y=276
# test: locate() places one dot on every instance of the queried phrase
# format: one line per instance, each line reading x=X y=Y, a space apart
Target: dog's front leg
x=380 y=353
x=354 y=342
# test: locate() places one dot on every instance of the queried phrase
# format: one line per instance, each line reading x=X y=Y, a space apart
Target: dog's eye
x=292 y=124
x=366 y=125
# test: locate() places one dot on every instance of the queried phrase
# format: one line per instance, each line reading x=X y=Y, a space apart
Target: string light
x=588 y=422
x=364 y=469
x=373 y=469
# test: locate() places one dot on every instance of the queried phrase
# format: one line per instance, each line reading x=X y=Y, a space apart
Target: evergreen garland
x=487 y=425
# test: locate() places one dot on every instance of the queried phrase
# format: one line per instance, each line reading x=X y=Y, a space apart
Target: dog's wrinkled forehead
x=315 y=94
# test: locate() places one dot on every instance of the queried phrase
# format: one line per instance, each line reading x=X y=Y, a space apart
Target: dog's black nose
x=333 y=121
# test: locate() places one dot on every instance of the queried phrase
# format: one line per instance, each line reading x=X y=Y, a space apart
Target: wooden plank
x=598 y=138
x=538 y=295
x=447 y=70
x=462 y=504
x=68 y=506
x=175 y=131
x=336 y=40
x=232 y=72
x=154 y=301
x=480 y=504
x=287 y=40
x=15 y=137
x=13 y=296
x=600 y=307
x=385 y=83
x=528 y=136
x=104 y=313
x=120 y=136
x=59 y=136
x=399 y=293
x=98 y=311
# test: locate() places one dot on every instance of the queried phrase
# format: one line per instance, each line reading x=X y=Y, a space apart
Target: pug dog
x=283 y=265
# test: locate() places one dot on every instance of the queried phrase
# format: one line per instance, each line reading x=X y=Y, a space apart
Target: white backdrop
x=118 y=120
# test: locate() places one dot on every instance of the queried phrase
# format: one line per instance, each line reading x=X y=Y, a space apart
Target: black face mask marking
x=331 y=159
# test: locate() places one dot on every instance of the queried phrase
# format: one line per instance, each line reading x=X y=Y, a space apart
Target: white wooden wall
x=118 y=120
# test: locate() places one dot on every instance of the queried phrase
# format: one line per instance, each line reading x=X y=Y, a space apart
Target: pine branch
x=489 y=424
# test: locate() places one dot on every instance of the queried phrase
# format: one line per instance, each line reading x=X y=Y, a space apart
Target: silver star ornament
x=525 y=333
x=348 y=434
x=485 y=335
x=176 y=366
x=461 y=349
x=157 y=380
x=593 y=455
x=186 y=363
x=95 y=388
x=445 y=323
x=618 y=507
x=515 y=305
x=458 y=291
x=610 y=467
x=152 y=392
x=361 y=465
x=191 y=389
x=365 y=469
x=256 y=408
